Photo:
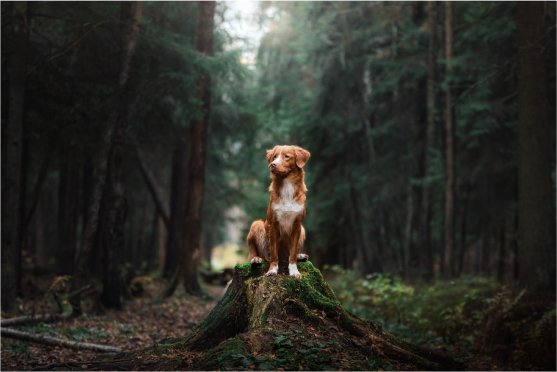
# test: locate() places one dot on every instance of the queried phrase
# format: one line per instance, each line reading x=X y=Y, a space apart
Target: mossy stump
x=282 y=323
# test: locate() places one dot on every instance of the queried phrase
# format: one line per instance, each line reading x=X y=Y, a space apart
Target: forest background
x=134 y=137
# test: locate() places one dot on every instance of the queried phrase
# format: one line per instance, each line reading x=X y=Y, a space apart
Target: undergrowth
x=468 y=316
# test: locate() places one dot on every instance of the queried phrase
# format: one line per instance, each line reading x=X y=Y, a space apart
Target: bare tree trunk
x=67 y=210
x=408 y=233
x=139 y=249
x=178 y=206
x=418 y=15
x=22 y=199
x=154 y=189
x=43 y=171
x=102 y=158
x=536 y=223
x=450 y=177
x=11 y=167
x=426 y=255
x=114 y=288
x=40 y=246
x=463 y=227
x=187 y=266
x=113 y=233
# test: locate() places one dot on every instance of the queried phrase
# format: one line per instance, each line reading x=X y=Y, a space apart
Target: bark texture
x=102 y=160
x=11 y=159
x=426 y=256
x=450 y=177
x=256 y=309
x=178 y=206
x=151 y=183
x=188 y=262
x=536 y=224
x=67 y=210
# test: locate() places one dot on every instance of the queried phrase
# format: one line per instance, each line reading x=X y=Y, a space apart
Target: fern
x=545 y=324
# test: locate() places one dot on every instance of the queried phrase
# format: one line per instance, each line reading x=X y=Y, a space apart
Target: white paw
x=256 y=260
x=293 y=271
x=273 y=271
x=302 y=257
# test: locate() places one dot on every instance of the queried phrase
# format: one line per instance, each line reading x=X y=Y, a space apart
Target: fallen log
x=51 y=341
x=32 y=318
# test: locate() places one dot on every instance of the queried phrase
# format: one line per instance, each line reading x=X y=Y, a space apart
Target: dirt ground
x=146 y=321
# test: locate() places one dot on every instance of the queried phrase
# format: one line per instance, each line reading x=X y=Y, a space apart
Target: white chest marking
x=287 y=209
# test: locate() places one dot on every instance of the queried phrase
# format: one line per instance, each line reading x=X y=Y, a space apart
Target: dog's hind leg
x=301 y=256
x=258 y=243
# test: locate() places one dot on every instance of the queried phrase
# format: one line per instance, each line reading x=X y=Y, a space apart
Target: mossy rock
x=280 y=322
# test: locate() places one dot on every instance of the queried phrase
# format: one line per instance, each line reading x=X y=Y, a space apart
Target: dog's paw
x=256 y=260
x=273 y=271
x=296 y=275
x=293 y=271
x=303 y=257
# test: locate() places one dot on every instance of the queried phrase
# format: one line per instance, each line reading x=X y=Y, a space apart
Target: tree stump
x=280 y=322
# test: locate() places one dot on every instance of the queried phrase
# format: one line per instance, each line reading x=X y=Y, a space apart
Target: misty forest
x=134 y=160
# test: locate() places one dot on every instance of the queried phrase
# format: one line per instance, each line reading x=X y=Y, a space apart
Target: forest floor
x=147 y=320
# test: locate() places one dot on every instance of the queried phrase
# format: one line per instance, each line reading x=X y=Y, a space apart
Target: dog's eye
x=275 y=157
x=286 y=156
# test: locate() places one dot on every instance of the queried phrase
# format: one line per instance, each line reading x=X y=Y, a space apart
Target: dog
x=281 y=236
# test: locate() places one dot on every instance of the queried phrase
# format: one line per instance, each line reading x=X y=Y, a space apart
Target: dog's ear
x=302 y=156
x=270 y=154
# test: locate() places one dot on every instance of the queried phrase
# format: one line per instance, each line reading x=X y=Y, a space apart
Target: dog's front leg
x=293 y=244
x=273 y=240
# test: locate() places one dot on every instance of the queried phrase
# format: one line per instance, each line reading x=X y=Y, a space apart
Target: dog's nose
x=274 y=165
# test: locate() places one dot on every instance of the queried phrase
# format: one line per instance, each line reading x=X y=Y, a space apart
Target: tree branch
x=51 y=341
x=31 y=318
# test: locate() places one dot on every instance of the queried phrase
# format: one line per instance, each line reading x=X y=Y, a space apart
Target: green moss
x=248 y=270
x=221 y=356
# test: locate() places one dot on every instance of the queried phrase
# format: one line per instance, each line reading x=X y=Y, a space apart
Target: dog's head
x=285 y=159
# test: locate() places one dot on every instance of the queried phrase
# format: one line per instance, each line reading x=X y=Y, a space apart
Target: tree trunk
x=536 y=224
x=22 y=244
x=43 y=172
x=426 y=255
x=178 y=206
x=463 y=230
x=139 y=255
x=113 y=232
x=11 y=167
x=408 y=233
x=67 y=210
x=40 y=246
x=154 y=189
x=187 y=266
x=450 y=177
x=102 y=158
x=114 y=288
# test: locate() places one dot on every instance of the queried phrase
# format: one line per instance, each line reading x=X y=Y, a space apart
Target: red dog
x=282 y=235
